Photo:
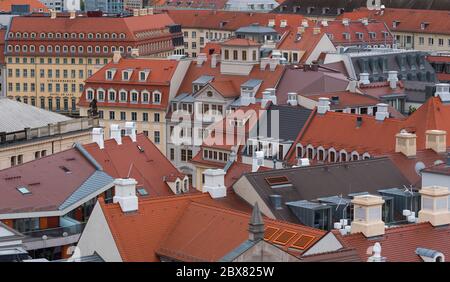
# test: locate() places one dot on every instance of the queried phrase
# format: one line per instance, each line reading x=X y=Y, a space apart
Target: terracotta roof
x=399 y=244
x=305 y=44
x=374 y=137
x=231 y=84
x=443 y=169
x=148 y=167
x=379 y=89
x=183 y=228
x=439 y=59
x=409 y=20
x=128 y=25
x=68 y=171
x=408 y=165
x=240 y=42
x=35 y=5
x=197 y=4
x=343 y=255
x=160 y=75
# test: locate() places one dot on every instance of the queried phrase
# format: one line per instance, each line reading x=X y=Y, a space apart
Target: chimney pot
x=406 y=144
x=367 y=215
x=382 y=112
x=435 y=205
x=364 y=78
x=436 y=140
x=215 y=183
x=324 y=105
x=393 y=79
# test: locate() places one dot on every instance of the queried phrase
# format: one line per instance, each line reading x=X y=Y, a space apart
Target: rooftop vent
x=276 y=201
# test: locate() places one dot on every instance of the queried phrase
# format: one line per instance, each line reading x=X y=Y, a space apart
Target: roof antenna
x=129 y=170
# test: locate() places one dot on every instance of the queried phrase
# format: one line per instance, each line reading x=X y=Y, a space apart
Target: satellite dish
x=438 y=162
x=419 y=167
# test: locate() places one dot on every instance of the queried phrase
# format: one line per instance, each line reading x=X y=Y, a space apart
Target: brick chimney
x=97 y=137
x=435 y=205
x=125 y=194
x=436 y=140
x=215 y=183
x=368 y=215
x=406 y=144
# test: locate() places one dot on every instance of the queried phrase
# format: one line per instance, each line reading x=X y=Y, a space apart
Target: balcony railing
x=58 y=232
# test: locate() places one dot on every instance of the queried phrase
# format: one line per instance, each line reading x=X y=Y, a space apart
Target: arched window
x=111 y=95
x=122 y=36
x=32 y=48
x=186 y=185
x=332 y=155
x=321 y=154
x=49 y=48
x=17 y=48
x=42 y=48
x=105 y=49
x=134 y=96
x=123 y=95
x=145 y=97
x=10 y=48
x=156 y=97
x=299 y=151
x=80 y=49
x=101 y=95
x=177 y=187
x=310 y=152
x=65 y=49
x=355 y=156
x=343 y=155
x=366 y=156
x=89 y=94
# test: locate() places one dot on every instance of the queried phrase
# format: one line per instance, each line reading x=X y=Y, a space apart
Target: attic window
x=303 y=241
x=270 y=232
x=284 y=237
x=23 y=190
x=142 y=191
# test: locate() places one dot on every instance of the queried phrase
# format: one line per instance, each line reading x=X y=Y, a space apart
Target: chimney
x=134 y=53
x=143 y=12
x=72 y=15
x=214 y=59
x=376 y=251
x=135 y=12
x=443 y=91
x=269 y=95
x=150 y=11
x=125 y=194
x=276 y=200
x=436 y=140
x=292 y=99
x=303 y=162
x=345 y=22
x=300 y=30
x=406 y=144
x=382 y=112
x=324 y=106
x=130 y=130
x=393 y=79
x=316 y=30
x=115 y=133
x=324 y=23
x=258 y=160
x=215 y=183
x=305 y=23
x=256 y=225
x=116 y=57
x=435 y=205
x=97 y=137
x=273 y=63
x=201 y=58
x=364 y=78
x=52 y=14
x=367 y=215
x=283 y=23
x=264 y=63
x=365 y=21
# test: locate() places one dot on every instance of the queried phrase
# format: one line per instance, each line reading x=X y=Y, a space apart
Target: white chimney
x=345 y=22
x=316 y=30
x=271 y=23
x=52 y=14
x=264 y=63
x=273 y=63
x=150 y=11
x=393 y=79
x=435 y=205
x=201 y=58
x=376 y=251
x=97 y=137
x=365 y=21
x=214 y=59
x=125 y=194
x=258 y=160
x=143 y=12
x=324 y=23
x=303 y=162
x=72 y=14
x=130 y=130
x=382 y=112
x=135 y=12
x=116 y=56
x=367 y=215
x=324 y=105
x=405 y=143
x=215 y=183
x=443 y=91
x=269 y=95
x=436 y=140
x=305 y=23
x=364 y=78
x=115 y=133
x=292 y=99
x=283 y=23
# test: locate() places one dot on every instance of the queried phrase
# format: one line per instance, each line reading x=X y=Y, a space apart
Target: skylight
x=142 y=191
x=23 y=190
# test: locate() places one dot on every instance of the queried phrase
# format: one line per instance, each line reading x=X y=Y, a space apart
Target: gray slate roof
x=16 y=116
x=292 y=120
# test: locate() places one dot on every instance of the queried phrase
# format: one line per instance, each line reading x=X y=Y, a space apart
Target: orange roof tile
x=240 y=42
x=35 y=5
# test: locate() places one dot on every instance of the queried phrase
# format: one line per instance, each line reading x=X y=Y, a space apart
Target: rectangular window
x=235 y=55
x=123 y=116
x=112 y=115
x=156 y=117
x=172 y=154
x=157 y=137
x=133 y=116
x=144 y=116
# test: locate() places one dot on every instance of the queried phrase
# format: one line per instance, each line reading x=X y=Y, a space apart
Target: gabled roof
x=313 y=182
x=73 y=178
x=186 y=228
x=149 y=167
x=399 y=244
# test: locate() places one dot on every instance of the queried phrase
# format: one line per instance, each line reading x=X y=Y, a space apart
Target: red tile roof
x=159 y=78
x=50 y=185
x=35 y=5
x=399 y=244
x=186 y=228
x=409 y=20
x=130 y=26
x=148 y=167
x=240 y=42
x=339 y=130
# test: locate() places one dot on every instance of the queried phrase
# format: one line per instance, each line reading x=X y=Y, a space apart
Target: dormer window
x=143 y=75
x=90 y=94
x=110 y=74
x=424 y=25
x=126 y=74
x=395 y=24
x=156 y=97
x=373 y=35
